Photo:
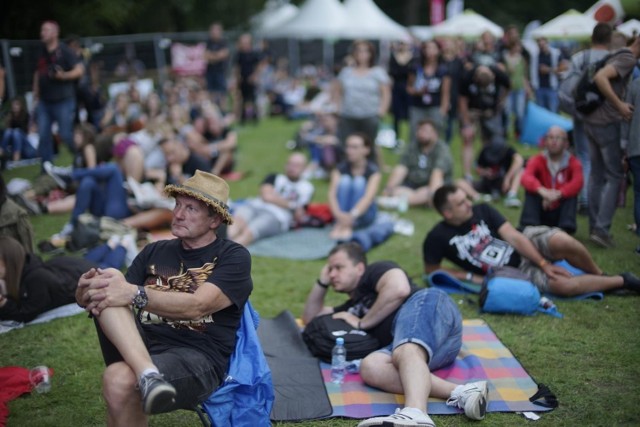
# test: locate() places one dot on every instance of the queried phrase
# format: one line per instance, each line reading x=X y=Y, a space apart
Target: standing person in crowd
x=362 y=94
x=54 y=89
x=600 y=41
x=552 y=181
x=545 y=67
x=188 y=293
x=420 y=330
x=603 y=130
x=30 y=286
x=400 y=63
x=516 y=61
x=248 y=64
x=216 y=55
x=429 y=85
x=282 y=201
x=486 y=51
x=353 y=187
x=483 y=93
x=454 y=61
x=424 y=167
x=477 y=237
x=631 y=142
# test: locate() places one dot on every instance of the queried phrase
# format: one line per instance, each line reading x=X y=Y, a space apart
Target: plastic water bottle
x=338 y=361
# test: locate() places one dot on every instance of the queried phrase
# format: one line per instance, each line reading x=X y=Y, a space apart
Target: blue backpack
x=508 y=290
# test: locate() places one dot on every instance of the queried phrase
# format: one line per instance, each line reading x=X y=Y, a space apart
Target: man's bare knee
x=408 y=350
x=370 y=366
x=119 y=383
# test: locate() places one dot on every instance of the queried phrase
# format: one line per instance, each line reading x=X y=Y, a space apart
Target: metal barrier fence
x=148 y=55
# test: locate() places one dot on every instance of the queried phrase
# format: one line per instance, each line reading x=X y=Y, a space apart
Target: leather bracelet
x=322 y=285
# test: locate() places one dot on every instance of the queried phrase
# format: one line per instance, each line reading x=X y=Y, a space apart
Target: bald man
x=282 y=202
x=552 y=180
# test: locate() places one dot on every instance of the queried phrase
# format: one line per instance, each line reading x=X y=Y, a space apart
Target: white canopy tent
x=629 y=27
x=365 y=20
x=571 y=25
x=468 y=24
x=316 y=19
x=274 y=15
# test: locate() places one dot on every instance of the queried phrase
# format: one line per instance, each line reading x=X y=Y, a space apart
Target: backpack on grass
x=321 y=333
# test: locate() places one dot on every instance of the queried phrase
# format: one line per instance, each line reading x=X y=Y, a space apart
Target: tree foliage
x=21 y=20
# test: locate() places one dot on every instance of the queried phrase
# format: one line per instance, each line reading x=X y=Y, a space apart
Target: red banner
x=436 y=11
x=188 y=60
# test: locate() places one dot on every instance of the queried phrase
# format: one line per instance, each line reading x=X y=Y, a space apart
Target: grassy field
x=588 y=358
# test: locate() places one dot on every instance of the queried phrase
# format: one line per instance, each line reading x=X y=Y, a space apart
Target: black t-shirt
x=189 y=168
x=496 y=158
x=484 y=98
x=167 y=266
x=219 y=67
x=52 y=89
x=247 y=63
x=431 y=83
x=544 y=79
x=473 y=246
x=366 y=296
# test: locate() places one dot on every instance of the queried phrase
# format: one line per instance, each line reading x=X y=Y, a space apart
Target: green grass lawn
x=589 y=358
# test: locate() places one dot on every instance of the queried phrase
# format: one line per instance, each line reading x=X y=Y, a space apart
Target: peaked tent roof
x=570 y=25
x=273 y=16
x=316 y=19
x=365 y=20
x=629 y=27
x=468 y=24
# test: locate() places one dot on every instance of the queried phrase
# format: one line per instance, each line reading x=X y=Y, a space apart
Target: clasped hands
x=101 y=288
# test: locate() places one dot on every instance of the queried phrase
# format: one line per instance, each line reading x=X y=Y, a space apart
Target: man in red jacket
x=552 y=180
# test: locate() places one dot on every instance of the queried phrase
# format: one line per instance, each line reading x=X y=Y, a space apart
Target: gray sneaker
x=157 y=394
x=472 y=398
x=602 y=239
x=61 y=175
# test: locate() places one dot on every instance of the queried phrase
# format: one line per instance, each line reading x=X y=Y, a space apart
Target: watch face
x=140 y=300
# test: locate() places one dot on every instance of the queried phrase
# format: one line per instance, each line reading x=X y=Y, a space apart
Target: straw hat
x=208 y=188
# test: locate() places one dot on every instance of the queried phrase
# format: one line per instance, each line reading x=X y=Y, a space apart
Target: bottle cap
x=340 y=340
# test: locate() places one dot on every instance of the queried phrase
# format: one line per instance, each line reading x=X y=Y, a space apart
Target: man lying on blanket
x=478 y=237
x=421 y=330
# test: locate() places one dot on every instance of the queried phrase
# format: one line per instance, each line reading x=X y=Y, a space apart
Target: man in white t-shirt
x=282 y=200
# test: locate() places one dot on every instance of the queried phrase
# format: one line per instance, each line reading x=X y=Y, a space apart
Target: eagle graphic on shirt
x=189 y=281
x=481 y=249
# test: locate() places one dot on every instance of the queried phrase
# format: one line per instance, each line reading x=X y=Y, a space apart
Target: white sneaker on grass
x=403 y=417
x=472 y=398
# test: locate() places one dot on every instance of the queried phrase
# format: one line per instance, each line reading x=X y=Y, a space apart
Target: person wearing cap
x=552 y=181
x=168 y=326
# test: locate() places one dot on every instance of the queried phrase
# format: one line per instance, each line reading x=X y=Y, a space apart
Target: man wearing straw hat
x=188 y=296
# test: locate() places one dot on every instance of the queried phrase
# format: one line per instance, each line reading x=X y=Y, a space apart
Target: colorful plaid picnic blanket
x=482 y=357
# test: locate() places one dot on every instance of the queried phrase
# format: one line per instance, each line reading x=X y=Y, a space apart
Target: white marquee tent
x=273 y=16
x=629 y=27
x=468 y=24
x=316 y=19
x=571 y=25
x=365 y=20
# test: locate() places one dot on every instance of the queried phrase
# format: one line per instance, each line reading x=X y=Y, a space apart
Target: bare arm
x=396 y=178
x=457 y=273
x=314 y=306
x=603 y=80
x=393 y=288
x=385 y=99
x=445 y=98
x=109 y=288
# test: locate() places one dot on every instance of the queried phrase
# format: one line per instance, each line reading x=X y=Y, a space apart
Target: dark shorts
x=187 y=369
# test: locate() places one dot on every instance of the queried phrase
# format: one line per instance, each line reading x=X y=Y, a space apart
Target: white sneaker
x=472 y=398
x=388 y=202
x=402 y=417
x=512 y=202
x=61 y=175
x=404 y=227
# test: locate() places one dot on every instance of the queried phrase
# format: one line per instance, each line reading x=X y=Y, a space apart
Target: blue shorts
x=430 y=319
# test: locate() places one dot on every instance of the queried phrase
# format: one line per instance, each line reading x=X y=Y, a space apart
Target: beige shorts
x=539 y=235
